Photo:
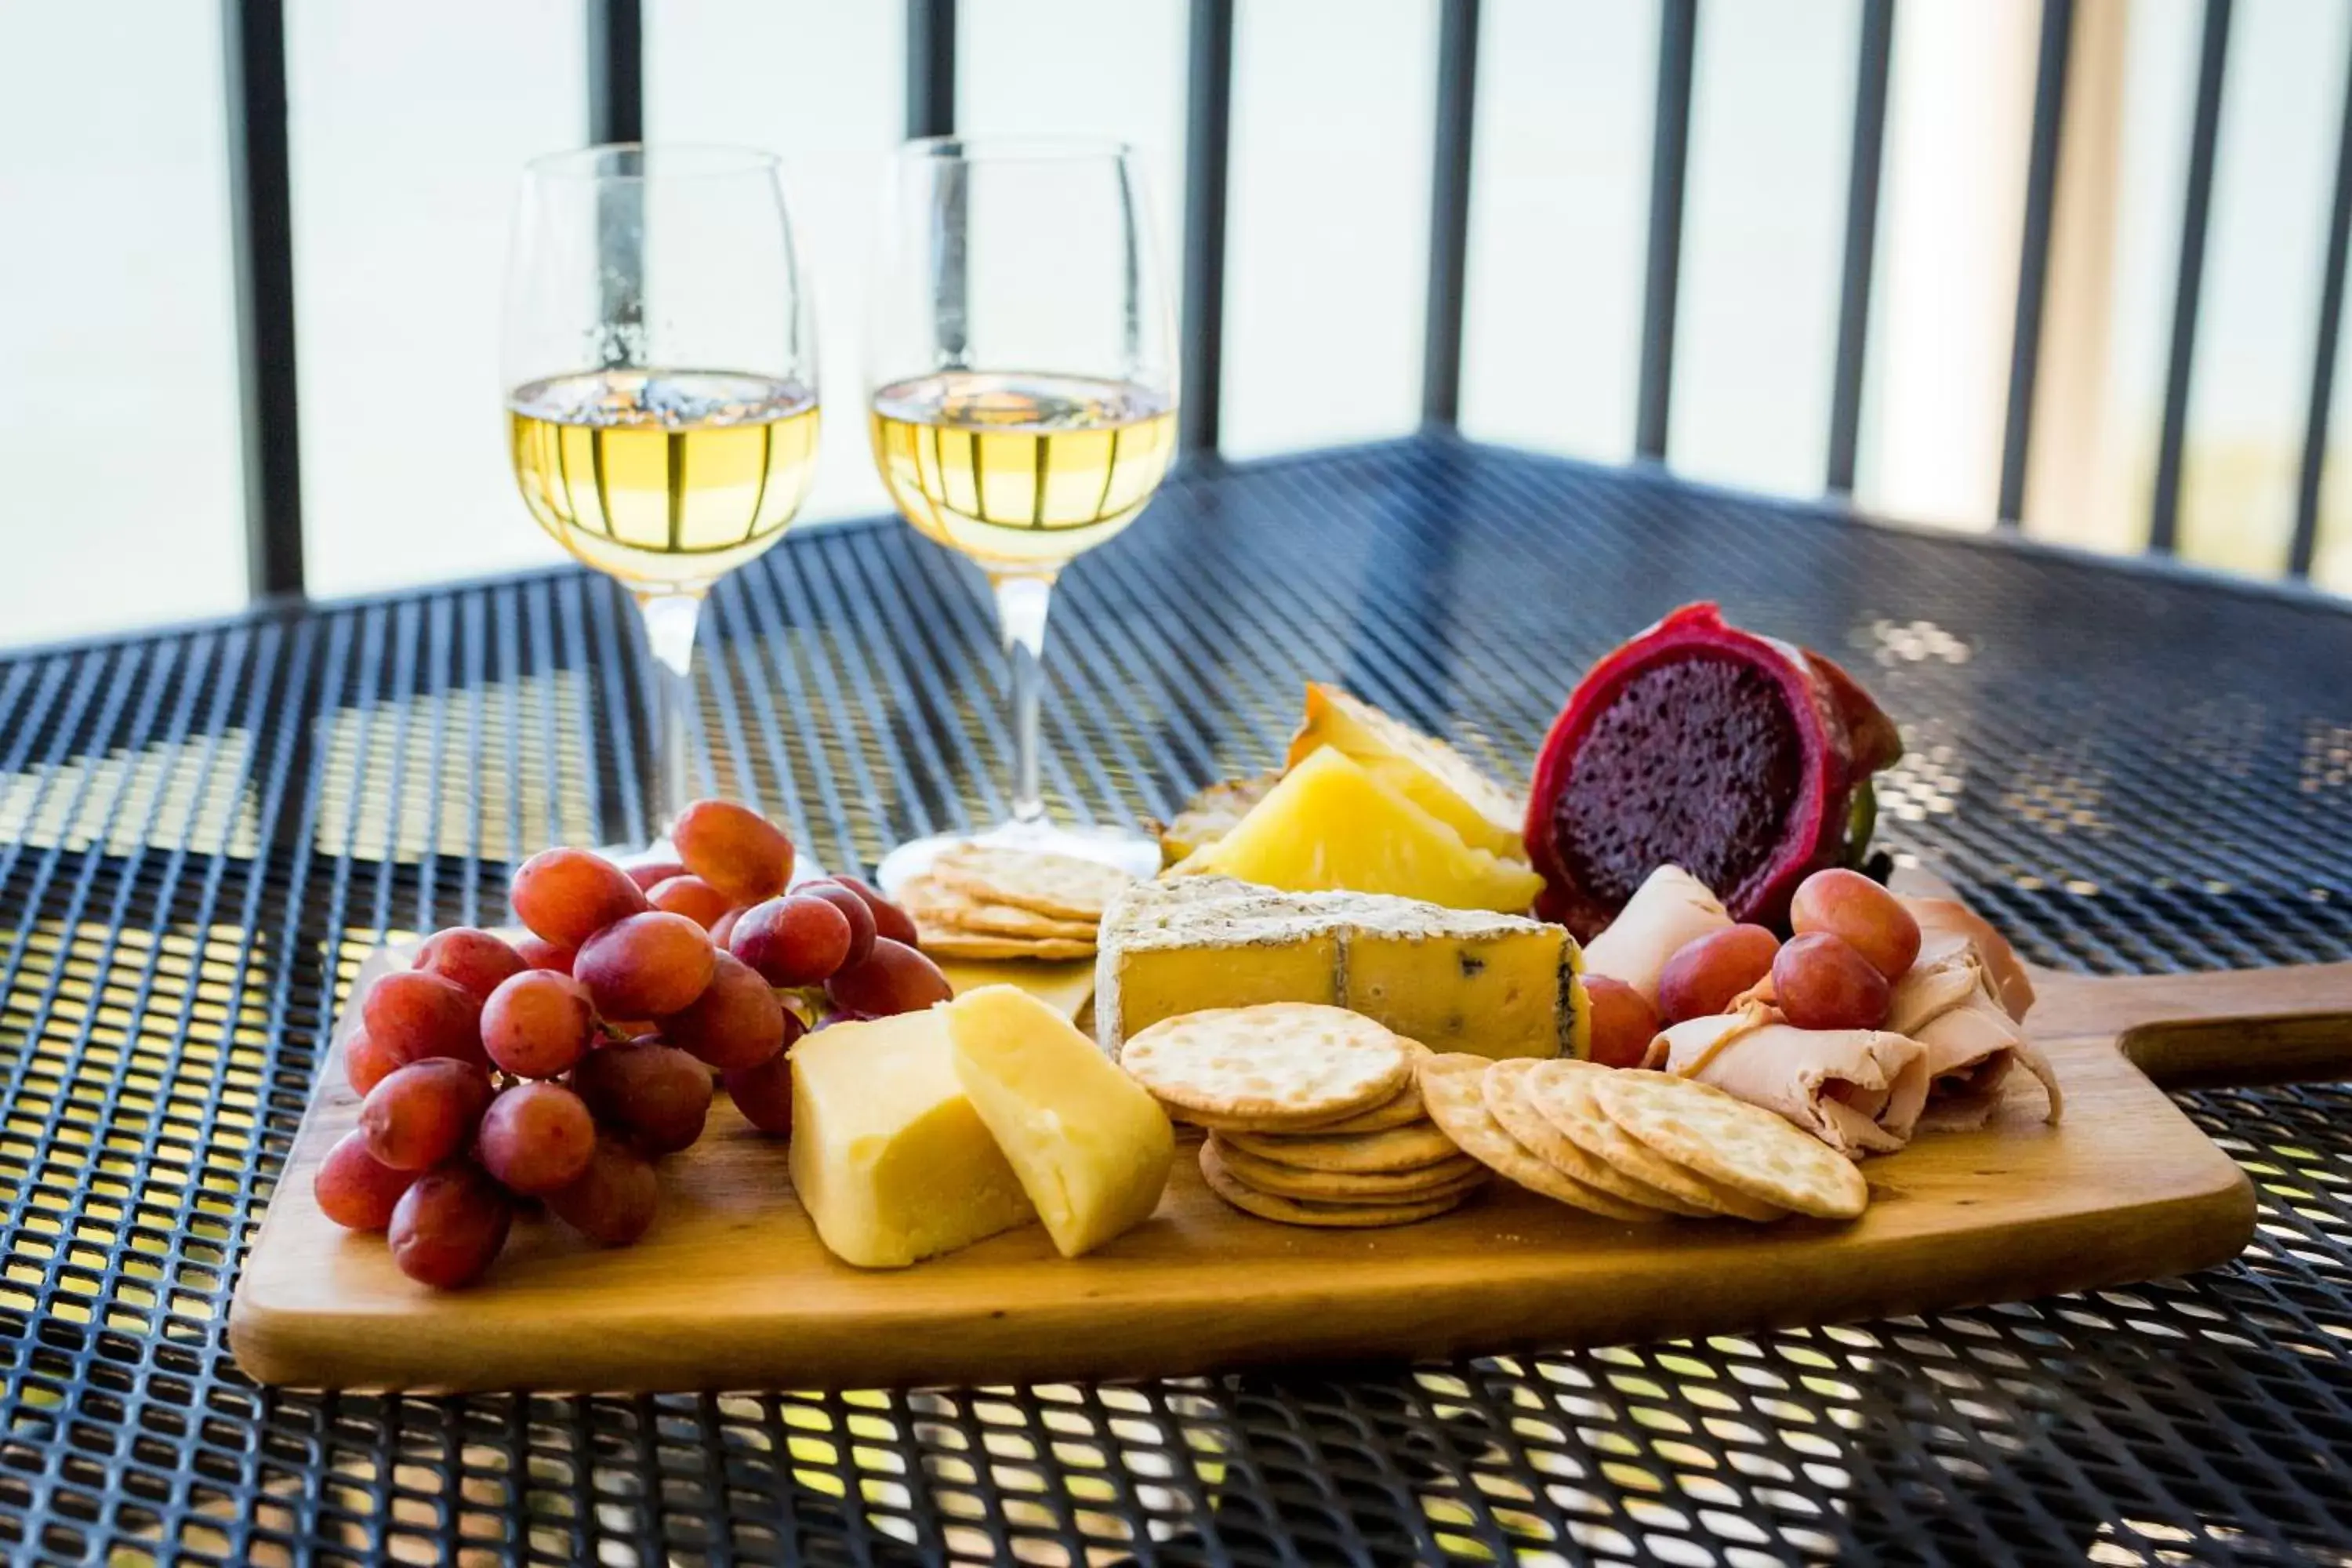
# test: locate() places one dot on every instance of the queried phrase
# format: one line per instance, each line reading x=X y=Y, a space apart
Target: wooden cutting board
x=732 y=1288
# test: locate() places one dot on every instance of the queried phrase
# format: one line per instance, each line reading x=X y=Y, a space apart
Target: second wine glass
x=1021 y=373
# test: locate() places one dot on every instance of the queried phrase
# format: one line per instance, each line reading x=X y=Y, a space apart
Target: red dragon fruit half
x=1740 y=759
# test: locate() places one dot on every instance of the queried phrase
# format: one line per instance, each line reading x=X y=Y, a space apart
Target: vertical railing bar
x=2164 y=519
x=261 y=242
x=2306 y=547
x=616 y=71
x=2033 y=256
x=1208 y=146
x=1449 y=212
x=930 y=67
x=1669 y=160
x=1877 y=49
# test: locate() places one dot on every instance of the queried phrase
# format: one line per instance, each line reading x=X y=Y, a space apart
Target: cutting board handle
x=2288 y=1025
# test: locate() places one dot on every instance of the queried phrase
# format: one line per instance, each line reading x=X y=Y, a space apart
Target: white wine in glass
x=1022 y=396
x=661 y=386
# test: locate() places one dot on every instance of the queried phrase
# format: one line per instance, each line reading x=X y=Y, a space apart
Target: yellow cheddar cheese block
x=889 y=1157
x=1455 y=980
x=1091 y=1145
x=1330 y=824
x=1422 y=768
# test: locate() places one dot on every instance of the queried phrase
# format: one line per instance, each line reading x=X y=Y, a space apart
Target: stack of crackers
x=1314 y=1114
x=1634 y=1145
x=983 y=903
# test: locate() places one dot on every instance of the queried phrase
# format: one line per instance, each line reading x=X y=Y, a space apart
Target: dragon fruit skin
x=1735 y=756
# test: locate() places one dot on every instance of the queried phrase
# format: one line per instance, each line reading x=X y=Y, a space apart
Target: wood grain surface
x=732 y=1290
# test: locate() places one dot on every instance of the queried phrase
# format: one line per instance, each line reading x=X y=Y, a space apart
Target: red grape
x=1623 y=1022
x=568 y=895
x=365 y=1062
x=657 y=1094
x=354 y=1188
x=889 y=919
x=472 y=958
x=791 y=941
x=733 y=848
x=1873 y=920
x=539 y=1024
x=646 y=965
x=764 y=1094
x=612 y=1201
x=541 y=954
x=1701 y=979
x=423 y=1114
x=895 y=978
x=692 y=897
x=1821 y=982
x=736 y=1023
x=537 y=1137
x=723 y=927
x=415 y=1016
x=854 y=910
x=449 y=1225
x=651 y=870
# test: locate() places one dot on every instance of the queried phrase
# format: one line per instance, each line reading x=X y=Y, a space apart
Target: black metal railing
x=615 y=97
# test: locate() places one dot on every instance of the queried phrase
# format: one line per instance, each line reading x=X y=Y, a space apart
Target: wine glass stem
x=670 y=620
x=1021 y=602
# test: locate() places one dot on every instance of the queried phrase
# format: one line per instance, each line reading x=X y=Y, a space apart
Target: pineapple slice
x=1330 y=824
x=1423 y=769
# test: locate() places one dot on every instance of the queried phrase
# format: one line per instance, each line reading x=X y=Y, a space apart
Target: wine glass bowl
x=1022 y=398
x=660 y=373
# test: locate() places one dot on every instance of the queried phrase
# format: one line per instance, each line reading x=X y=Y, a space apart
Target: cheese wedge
x=888 y=1158
x=1422 y=768
x=1455 y=980
x=1331 y=824
x=1091 y=1145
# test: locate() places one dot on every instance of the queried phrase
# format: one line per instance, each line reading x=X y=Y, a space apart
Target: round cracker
x=1401 y=1109
x=943 y=943
x=1562 y=1094
x=1282 y=1060
x=1412 y=1147
x=1335 y=1186
x=1742 y=1146
x=1508 y=1089
x=1294 y=1211
x=1450 y=1089
x=1060 y=887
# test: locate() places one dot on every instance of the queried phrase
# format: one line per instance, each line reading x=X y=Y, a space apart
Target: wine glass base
x=1137 y=854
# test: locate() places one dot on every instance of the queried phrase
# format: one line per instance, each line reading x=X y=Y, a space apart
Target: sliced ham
x=1959 y=1001
x=1858 y=1090
x=1669 y=910
x=2004 y=973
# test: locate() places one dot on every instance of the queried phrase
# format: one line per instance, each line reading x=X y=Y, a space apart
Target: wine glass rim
x=683 y=160
x=1017 y=146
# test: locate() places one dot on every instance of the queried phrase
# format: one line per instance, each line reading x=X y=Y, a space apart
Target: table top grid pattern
x=202 y=832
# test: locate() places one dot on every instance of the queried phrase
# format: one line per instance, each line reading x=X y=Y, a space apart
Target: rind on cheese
x=1091 y=1145
x=1452 y=979
x=889 y=1157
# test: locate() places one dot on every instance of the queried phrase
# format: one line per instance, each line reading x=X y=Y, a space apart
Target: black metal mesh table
x=202 y=832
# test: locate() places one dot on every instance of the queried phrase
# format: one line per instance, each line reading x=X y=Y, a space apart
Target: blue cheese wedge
x=1455 y=980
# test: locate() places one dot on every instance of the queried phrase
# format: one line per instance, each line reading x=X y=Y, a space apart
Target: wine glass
x=660 y=370
x=1022 y=373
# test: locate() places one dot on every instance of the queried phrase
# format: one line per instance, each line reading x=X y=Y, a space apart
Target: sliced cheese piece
x=1455 y=980
x=1422 y=768
x=1091 y=1147
x=1066 y=986
x=889 y=1157
x=1329 y=825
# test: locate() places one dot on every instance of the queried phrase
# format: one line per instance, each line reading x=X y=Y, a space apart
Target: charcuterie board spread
x=1391 y=1060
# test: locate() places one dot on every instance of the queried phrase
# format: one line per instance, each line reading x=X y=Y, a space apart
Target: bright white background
x=123 y=502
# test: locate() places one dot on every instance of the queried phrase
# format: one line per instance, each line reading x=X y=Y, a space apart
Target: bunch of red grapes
x=556 y=1068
